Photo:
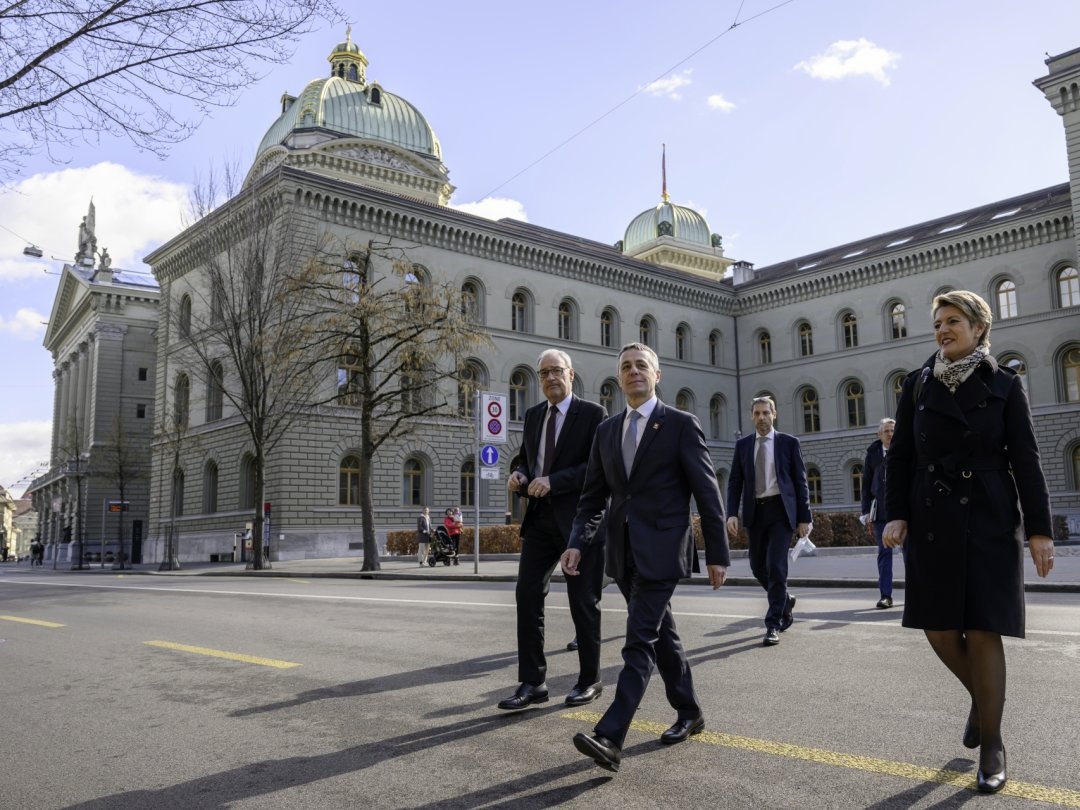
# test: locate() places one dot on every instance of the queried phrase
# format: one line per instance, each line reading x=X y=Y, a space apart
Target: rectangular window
x=142 y=375
x=140 y=411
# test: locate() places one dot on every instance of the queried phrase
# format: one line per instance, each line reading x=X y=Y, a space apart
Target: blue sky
x=814 y=124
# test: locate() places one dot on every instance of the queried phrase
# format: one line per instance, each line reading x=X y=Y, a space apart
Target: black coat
x=956 y=466
x=874 y=481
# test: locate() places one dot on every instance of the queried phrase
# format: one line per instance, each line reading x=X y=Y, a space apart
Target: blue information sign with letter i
x=489 y=454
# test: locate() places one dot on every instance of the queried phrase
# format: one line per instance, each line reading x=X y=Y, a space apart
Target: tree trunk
x=367 y=509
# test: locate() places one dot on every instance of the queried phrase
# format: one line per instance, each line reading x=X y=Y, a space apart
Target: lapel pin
x=655 y=425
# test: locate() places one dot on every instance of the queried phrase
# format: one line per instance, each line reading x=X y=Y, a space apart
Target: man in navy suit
x=768 y=481
x=648 y=461
x=554 y=453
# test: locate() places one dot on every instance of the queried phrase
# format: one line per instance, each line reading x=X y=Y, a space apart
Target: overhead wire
x=735 y=24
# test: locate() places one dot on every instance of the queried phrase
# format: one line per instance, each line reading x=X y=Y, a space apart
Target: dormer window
x=376 y=95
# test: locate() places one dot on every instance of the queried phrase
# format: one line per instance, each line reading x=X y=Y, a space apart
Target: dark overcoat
x=958 y=464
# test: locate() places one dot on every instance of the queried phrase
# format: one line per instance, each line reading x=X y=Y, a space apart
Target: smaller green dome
x=667 y=219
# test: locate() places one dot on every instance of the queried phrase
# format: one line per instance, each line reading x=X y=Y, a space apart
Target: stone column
x=57 y=412
x=1062 y=89
x=64 y=413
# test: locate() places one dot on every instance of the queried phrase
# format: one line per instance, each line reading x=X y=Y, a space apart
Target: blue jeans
x=884 y=561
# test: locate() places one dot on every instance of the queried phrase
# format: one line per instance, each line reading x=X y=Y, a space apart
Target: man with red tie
x=554 y=452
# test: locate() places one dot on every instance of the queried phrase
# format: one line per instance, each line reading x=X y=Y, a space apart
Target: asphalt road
x=153 y=692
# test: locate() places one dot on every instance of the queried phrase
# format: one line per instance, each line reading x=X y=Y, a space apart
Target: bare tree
x=121 y=462
x=146 y=70
x=250 y=336
x=399 y=338
x=170 y=439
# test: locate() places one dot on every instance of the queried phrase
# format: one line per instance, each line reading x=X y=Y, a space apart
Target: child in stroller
x=441 y=550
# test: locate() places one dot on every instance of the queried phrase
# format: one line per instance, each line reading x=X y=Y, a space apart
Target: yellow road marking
x=941 y=776
x=247 y=659
x=30 y=621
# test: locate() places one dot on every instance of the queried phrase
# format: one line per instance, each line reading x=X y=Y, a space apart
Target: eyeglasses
x=554 y=371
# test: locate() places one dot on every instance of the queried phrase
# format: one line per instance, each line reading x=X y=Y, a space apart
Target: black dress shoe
x=601 y=750
x=992 y=783
x=580 y=695
x=972 y=734
x=526 y=695
x=683 y=729
x=572 y=644
x=787 y=619
x=772 y=638
x=884 y=602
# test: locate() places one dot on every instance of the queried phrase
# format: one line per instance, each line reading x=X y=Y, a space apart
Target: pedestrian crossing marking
x=231 y=656
x=39 y=622
x=940 y=776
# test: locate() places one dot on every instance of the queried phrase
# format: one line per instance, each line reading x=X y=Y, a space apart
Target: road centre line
x=39 y=622
x=231 y=656
x=461 y=603
x=942 y=776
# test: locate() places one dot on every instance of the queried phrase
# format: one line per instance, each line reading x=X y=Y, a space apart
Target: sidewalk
x=829 y=567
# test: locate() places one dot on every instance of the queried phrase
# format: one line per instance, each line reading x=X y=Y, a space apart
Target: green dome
x=353 y=110
x=667 y=219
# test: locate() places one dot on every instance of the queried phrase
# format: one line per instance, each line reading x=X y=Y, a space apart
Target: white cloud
x=717 y=102
x=494 y=208
x=135 y=213
x=28 y=324
x=23 y=447
x=669 y=87
x=851 y=57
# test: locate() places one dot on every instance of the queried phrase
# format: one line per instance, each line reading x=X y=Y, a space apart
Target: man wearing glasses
x=554 y=454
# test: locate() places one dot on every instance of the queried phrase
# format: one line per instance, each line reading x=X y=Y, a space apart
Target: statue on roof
x=87 y=237
x=106 y=260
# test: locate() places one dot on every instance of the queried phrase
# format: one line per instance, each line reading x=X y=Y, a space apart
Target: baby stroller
x=441 y=549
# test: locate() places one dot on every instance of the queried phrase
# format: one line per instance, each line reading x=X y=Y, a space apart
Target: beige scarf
x=953 y=372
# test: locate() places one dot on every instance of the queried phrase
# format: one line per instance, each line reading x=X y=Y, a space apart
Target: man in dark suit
x=768 y=482
x=554 y=452
x=648 y=461
x=873 y=505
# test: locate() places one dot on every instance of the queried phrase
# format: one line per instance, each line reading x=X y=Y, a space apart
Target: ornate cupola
x=347 y=61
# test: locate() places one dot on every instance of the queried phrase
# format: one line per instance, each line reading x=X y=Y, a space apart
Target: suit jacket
x=790 y=476
x=671 y=465
x=873 y=488
x=567 y=471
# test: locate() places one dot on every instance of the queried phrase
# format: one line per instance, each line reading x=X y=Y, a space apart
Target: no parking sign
x=492 y=418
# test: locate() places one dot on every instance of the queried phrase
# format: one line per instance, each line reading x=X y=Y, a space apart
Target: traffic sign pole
x=476 y=487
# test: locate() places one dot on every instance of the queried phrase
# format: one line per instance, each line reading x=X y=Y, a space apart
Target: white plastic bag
x=803 y=546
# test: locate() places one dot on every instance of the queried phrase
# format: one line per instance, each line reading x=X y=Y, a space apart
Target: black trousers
x=651 y=639
x=540 y=552
x=770 y=540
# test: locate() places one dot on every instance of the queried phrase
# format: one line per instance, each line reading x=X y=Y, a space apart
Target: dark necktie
x=549 y=440
x=759 y=468
x=629 y=442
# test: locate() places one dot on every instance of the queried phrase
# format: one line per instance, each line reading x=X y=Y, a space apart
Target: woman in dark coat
x=963 y=452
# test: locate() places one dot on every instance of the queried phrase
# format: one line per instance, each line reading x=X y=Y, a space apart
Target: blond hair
x=974 y=308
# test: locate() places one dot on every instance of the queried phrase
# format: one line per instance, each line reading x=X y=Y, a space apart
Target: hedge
x=501 y=539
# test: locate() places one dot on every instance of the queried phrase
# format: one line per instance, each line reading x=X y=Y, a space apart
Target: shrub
x=848 y=531
x=1061 y=528
x=500 y=539
x=822 y=535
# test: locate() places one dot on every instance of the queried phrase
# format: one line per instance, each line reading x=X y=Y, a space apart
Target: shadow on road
x=919 y=793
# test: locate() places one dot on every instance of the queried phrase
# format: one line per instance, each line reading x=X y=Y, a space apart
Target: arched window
x=1014 y=361
x=471 y=378
x=178 y=492
x=813 y=481
x=1005 y=295
x=716 y=417
x=806 y=339
x=684 y=401
x=217 y=306
x=414 y=388
x=567 y=320
x=349 y=481
x=470 y=302
x=856 y=483
x=647 y=332
x=715 y=347
x=895 y=388
x=210 y=488
x=185 y=316
x=412 y=483
x=467 y=493
x=247 y=482
x=1068 y=284
x=811 y=410
x=1070 y=374
x=519 y=312
x=764 y=342
x=609 y=328
x=352 y=278
x=215 y=391
x=849 y=328
x=610 y=398
x=1076 y=467
x=682 y=342
x=898 y=321
x=520 y=394
x=181 y=400
x=354 y=75
x=855 y=400
x=350 y=378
